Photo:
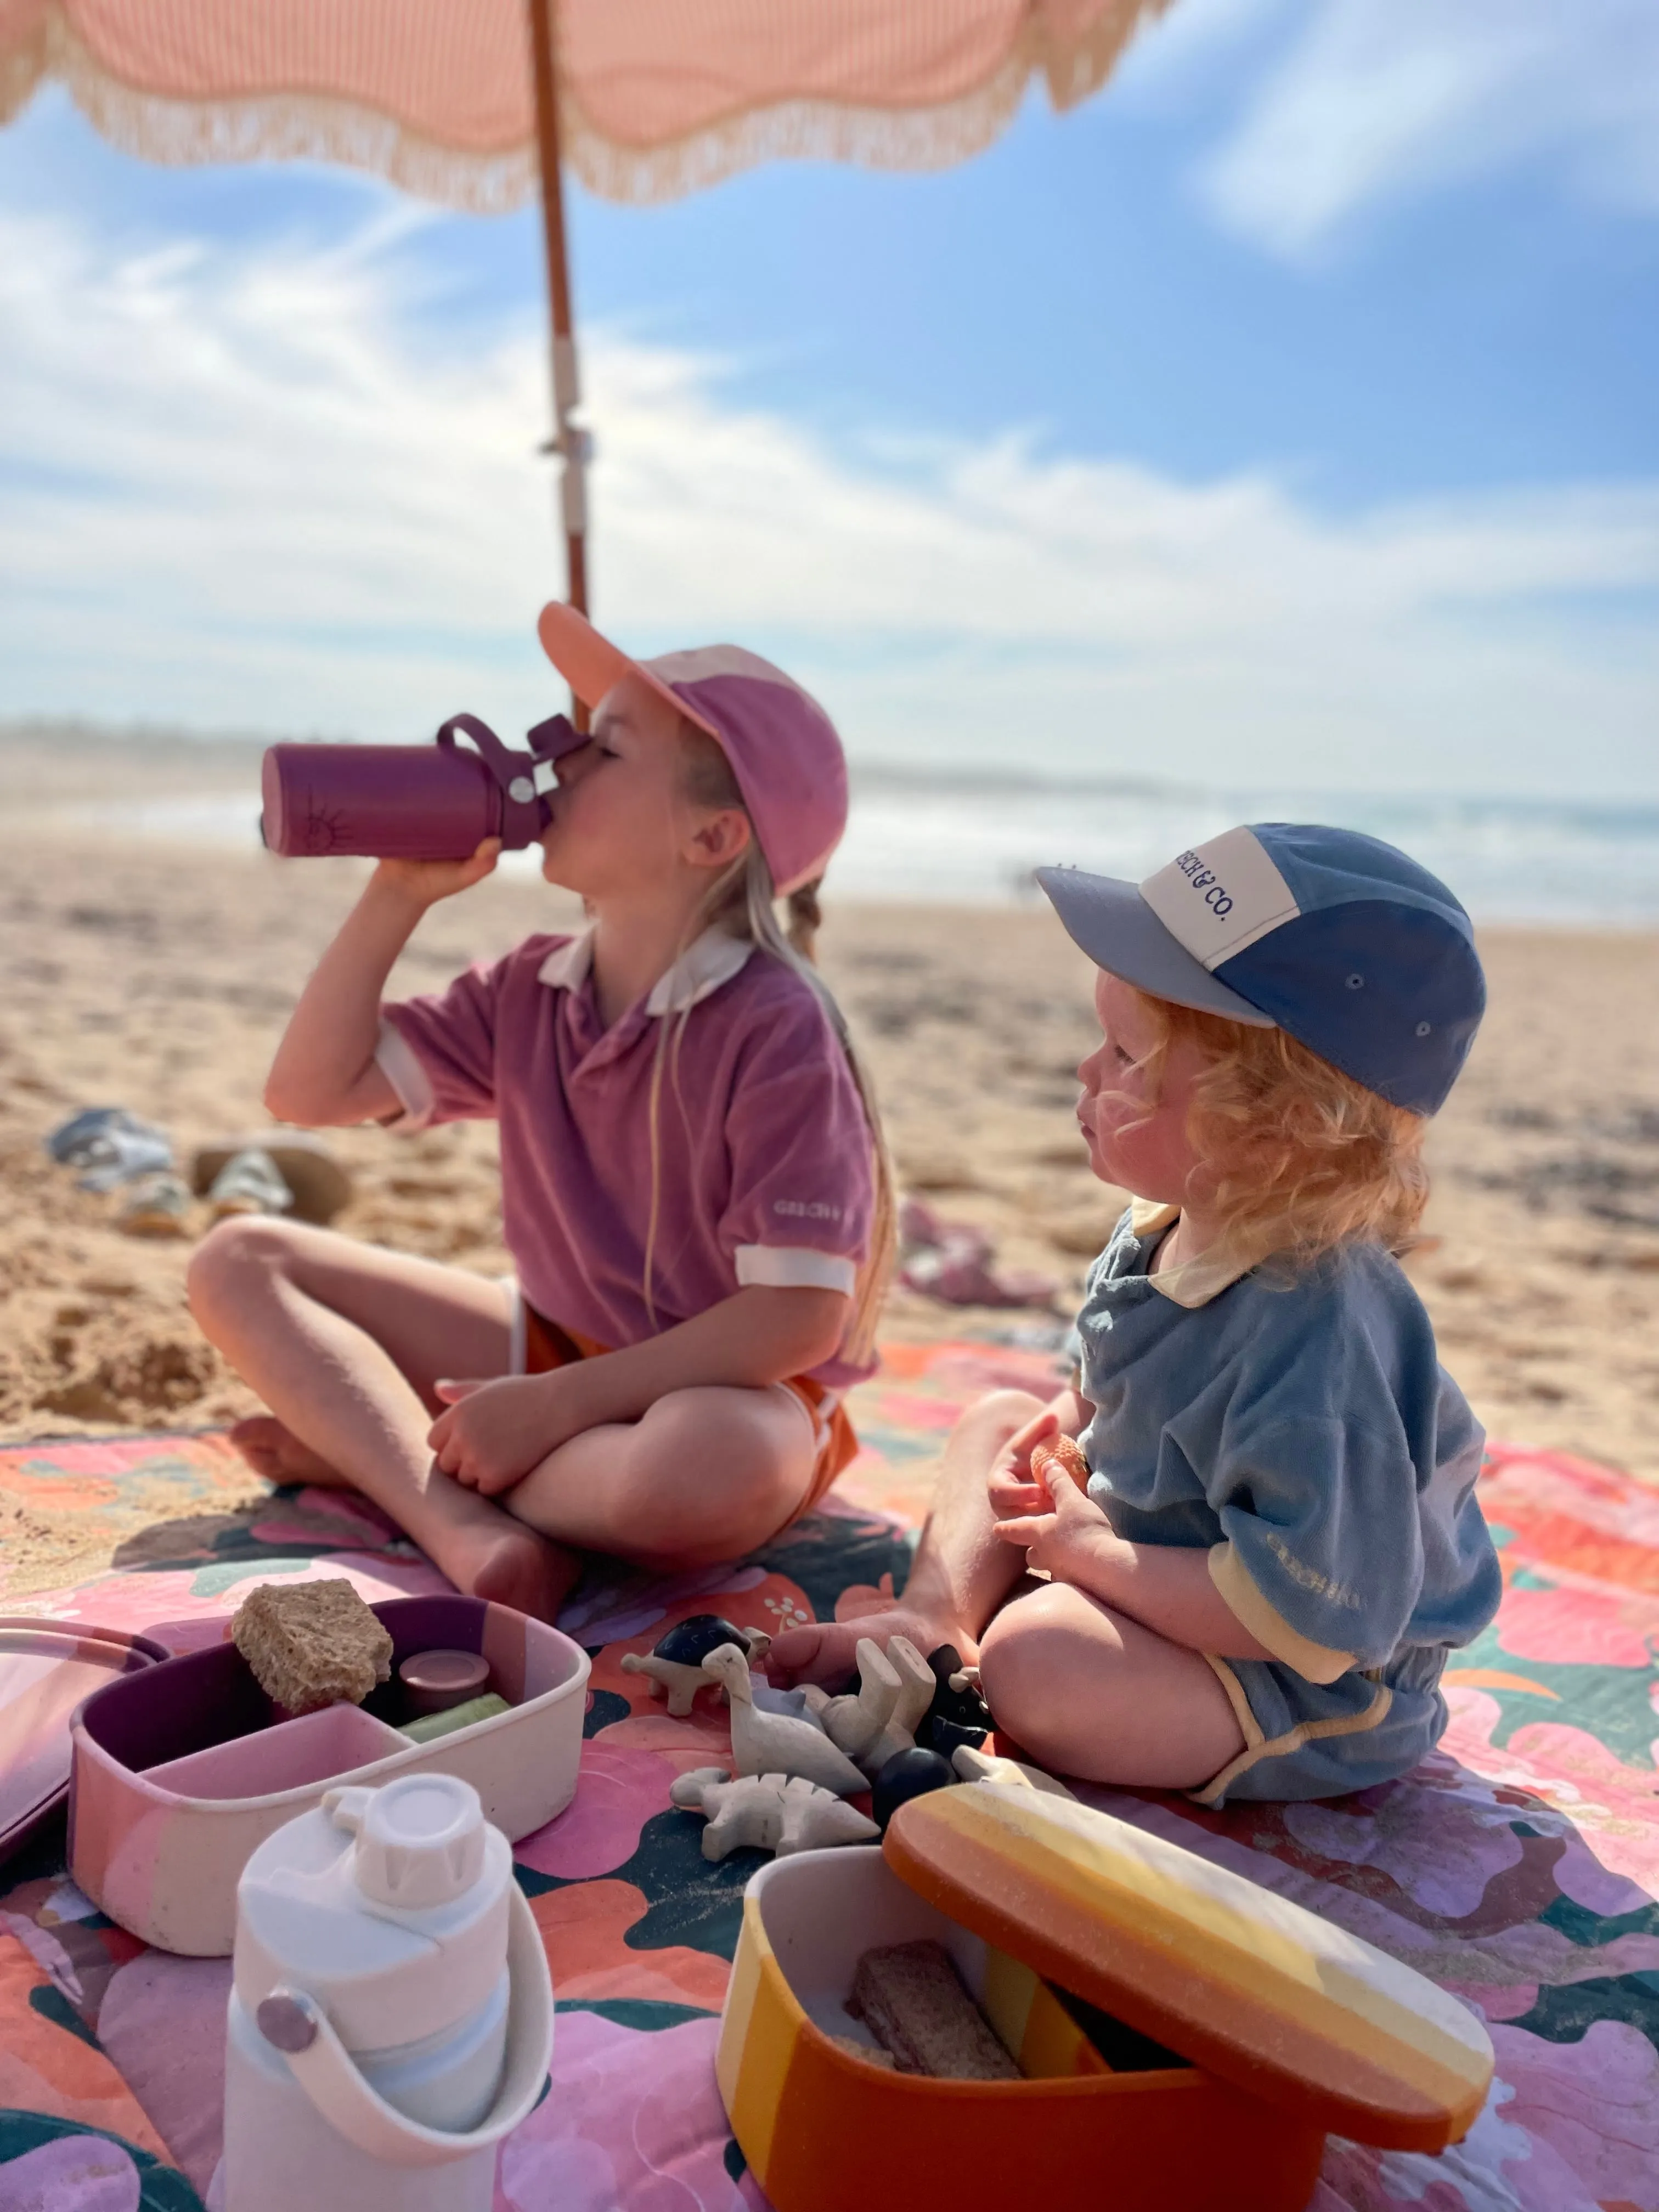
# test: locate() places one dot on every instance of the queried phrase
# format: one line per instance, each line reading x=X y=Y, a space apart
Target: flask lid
x=386 y=1907
x=420 y=1840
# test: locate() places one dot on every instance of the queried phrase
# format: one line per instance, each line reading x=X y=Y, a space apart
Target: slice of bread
x=311 y=1644
x=912 y=2000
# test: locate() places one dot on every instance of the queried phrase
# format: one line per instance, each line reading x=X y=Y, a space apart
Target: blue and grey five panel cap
x=1334 y=937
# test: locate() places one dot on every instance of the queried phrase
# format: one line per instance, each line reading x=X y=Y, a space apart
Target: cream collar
x=714 y=958
x=1193 y=1282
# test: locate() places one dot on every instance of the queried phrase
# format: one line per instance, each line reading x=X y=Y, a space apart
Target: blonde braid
x=806 y=919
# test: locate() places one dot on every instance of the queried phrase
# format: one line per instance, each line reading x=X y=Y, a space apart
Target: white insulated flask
x=391 y=2013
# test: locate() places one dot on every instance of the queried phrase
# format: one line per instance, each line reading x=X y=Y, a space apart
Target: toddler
x=694 y=1187
x=1279 y=1542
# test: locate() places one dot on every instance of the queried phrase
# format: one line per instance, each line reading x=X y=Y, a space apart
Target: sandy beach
x=158 y=975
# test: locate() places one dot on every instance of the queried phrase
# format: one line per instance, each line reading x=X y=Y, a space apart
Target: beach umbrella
x=480 y=103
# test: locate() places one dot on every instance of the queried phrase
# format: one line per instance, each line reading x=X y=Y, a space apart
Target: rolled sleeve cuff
x=790 y=1266
x=401 y=1064
x=1315 y=1662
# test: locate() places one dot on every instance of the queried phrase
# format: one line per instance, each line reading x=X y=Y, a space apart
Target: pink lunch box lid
x=47 y=1667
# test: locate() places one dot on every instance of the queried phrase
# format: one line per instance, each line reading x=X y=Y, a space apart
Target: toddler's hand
x=1012 y=1487
x=495 y=1432
x=1064 y=1536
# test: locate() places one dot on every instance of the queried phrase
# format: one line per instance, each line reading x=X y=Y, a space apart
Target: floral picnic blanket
x=1518 y=1867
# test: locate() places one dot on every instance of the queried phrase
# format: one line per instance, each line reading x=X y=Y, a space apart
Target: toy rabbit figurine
x=895 y=1689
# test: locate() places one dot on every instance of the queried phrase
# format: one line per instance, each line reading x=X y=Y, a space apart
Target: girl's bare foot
x=272 y=1449
x=512 y=1565
x=825 y=1651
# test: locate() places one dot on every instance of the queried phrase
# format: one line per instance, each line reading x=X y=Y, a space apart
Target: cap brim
x=1113 y=925
x=591 y=665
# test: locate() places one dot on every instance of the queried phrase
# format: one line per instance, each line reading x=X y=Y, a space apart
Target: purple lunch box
x=181 y=1772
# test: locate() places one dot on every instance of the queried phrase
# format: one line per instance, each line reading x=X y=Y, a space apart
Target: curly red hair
x=1302 y=1157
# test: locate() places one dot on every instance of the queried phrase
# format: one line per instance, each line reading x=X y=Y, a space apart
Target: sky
x=1283 y=416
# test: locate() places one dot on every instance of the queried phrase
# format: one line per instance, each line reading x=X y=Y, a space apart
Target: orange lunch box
x=1254 y=2026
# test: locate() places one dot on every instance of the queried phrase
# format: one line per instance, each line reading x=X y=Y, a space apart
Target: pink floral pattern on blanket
x=1518 y=1867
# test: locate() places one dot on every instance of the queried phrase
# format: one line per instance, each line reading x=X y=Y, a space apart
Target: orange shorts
x=547 y=1345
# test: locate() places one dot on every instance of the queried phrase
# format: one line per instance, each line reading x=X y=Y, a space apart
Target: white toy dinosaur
x=1012 y=1773
x=777 y=1743
x=767 y=1811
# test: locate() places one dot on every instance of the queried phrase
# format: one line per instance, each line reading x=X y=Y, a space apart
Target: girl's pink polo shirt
x=766 y=1163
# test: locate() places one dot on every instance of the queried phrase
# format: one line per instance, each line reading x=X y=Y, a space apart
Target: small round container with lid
x=437 y=1681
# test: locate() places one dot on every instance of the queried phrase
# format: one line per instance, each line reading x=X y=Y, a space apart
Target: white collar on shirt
x=1191 y=1282
x=714 y=959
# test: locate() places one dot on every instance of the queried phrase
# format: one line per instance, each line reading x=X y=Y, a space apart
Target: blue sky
x=1285 y=414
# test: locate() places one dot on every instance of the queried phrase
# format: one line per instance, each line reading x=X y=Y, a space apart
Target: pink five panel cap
x=782 y=746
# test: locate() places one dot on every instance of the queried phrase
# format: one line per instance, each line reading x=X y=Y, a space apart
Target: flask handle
x=502 y=764
x=323 y=2068
x=523 y=778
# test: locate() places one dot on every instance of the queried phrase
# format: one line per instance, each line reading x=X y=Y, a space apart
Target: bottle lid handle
x=293 y=2023
x=499 y=761
x=524 y=780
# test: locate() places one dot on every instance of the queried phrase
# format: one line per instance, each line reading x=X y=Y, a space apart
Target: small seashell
x=1057 y=1456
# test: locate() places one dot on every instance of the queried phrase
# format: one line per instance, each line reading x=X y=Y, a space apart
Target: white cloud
x=278 y=488
x=1379 y=101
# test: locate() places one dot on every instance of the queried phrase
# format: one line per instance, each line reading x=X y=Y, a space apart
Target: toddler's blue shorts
x=1306 y=1739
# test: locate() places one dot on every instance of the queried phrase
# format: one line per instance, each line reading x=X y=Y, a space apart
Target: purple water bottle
x=436 y=802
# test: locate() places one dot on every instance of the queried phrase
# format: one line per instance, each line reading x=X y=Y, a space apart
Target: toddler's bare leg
x=705 y=1475
x=961 y=1573
x=1086 y=1690
x=1089 y=1692
x=343 y=1341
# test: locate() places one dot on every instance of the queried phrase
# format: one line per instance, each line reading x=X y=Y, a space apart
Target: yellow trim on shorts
x=1258 y=1746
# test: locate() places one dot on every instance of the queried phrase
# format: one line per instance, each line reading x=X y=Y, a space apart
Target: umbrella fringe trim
x=281 y=126
x=301 y=125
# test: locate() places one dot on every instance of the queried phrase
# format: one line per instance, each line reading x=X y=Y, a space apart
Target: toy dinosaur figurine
x=675 y=1664
x=777 y=1743
x=767 y=1811
x=972 y=1765
x=958 y=1713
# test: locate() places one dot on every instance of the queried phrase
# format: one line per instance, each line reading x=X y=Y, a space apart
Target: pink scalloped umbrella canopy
x=656 y=95
x=476 y=103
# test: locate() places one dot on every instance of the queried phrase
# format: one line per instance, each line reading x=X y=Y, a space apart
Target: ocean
x=915 y=834
x=918 y=833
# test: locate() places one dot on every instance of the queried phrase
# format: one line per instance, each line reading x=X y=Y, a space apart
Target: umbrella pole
x=569 y=440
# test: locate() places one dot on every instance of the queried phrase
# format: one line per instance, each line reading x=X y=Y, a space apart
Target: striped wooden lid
x=1241 y=1981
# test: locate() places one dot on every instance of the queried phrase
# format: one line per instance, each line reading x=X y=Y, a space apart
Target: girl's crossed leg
x=346 y=1343
x=703 y=1475
x=1085 y=1690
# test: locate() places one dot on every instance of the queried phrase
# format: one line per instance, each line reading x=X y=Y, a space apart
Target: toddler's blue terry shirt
x=1300 y=1427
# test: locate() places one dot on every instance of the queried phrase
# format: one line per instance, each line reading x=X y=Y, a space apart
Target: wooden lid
x=1234 y=1977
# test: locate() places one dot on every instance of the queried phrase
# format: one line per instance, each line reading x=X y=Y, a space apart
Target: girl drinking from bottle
x=694 y=1185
